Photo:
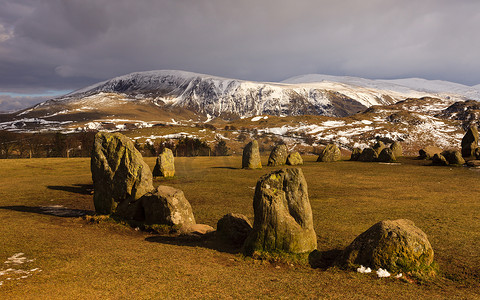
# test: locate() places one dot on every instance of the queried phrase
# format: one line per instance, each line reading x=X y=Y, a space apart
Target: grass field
x=67 y=257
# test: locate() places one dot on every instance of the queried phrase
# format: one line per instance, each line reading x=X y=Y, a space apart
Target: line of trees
x=31 y=145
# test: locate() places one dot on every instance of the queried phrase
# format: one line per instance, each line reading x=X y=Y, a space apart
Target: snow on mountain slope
x=408 y=86
x=216 y=96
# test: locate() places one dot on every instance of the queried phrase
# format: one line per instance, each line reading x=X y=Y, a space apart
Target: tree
x=221 y=148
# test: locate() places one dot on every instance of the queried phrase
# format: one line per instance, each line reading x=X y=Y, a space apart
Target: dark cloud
x=67 y=44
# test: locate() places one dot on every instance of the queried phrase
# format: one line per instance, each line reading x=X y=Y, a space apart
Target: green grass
x=86 y=260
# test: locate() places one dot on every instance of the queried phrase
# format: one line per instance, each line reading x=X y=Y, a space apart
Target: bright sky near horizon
x=51 y=47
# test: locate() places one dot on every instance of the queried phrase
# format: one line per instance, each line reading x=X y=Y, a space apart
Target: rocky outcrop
x=397 y=246
x=168 y=206
x=120 y=176
x=470 y=142
x=294 y=159
x=330 y=153
x=165 y=165
x=278 y=156
x=283 y=216
x=251 y=156
x=234 y=228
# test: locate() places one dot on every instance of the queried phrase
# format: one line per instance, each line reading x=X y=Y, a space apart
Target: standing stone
x=330 y=153
x=356 y=152
x=386 y=156
x=165 y=165
x=278 y=156
x=119 y=174
x=397 y=150
x=283 y=216
x=368 y=155
x=470 y=142
x=168 y=206
x=428 y=152
x=251 y=156
x=453 y=157
x=439 y=160
x=234 y=228
x=378 y=147
x=294 y=159
x=397 y=246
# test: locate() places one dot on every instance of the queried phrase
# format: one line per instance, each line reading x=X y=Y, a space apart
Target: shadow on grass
x=228 y=168
x=56 y=210
x=83 y=189
x=209 y=241
x=324 y=259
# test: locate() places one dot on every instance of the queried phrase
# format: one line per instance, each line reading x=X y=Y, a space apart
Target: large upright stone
x=278 y=156
x=283 y=219
x=165 y=165
x=368 y=155
x=397 y=150
x=470 y=142
x=397 y=246
x=120 y=176
x=378 y=147
x=251 y=156
x=234 y=228
x=168 y=206
x=330 y=153
x=356 y=152
x=386 y=156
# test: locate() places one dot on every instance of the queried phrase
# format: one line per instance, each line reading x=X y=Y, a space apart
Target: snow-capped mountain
x=217 y=96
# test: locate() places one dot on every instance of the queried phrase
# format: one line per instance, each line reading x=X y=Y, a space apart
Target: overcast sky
x=55 y=46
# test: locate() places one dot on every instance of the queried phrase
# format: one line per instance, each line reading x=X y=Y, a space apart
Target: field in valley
x=64 y=256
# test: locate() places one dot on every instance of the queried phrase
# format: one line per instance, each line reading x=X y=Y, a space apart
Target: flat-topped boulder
x=428 y=152
x=278 y=156
x=167 y=206
x=120 y=176
x=330 y=153
x=397 y=246
x=251 y=156
x=283 y=219
x=165 y=164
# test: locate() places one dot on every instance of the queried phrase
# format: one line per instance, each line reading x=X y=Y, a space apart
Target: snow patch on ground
x=13 y=272
x=382 y=273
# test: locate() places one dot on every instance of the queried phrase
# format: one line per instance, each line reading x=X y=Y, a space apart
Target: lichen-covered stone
x=428 y=152
x=356 y=152
x=294 y=159
x=453 y=157
x=251 y=156
x=167 y=206
x=234 y=228
x=368 y=155
x=386 y=156
x=165 y=165
x=378 y=147
x=397 y=149
x=278 y=156
x=397 y=246
x=439 y=160
x=470 y=142
x=330 y=153
x=120 y=176
x=283 y=217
